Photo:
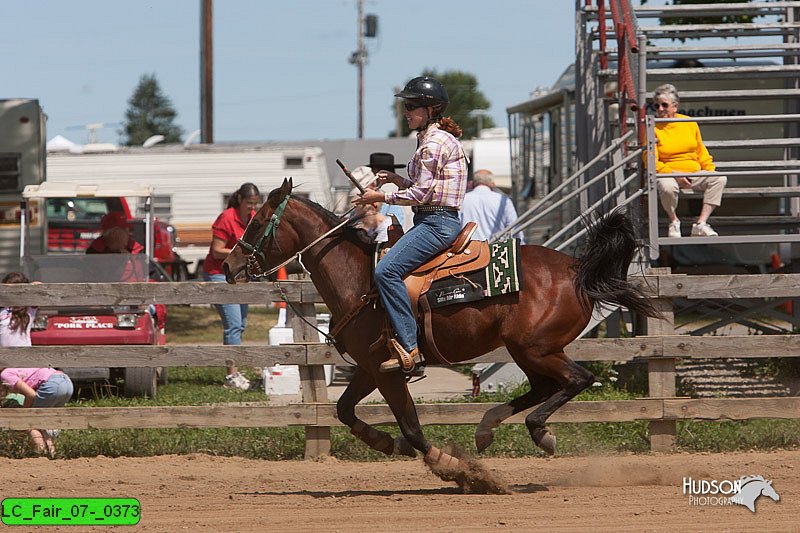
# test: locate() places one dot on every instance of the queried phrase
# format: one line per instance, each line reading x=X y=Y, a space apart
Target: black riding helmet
x=427 y=91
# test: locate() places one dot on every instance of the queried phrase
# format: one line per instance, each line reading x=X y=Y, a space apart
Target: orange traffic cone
x=281 y=276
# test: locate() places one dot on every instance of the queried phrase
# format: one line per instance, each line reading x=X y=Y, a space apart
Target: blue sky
x=281 y=67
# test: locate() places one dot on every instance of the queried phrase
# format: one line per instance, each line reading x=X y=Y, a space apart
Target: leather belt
x=433 y=208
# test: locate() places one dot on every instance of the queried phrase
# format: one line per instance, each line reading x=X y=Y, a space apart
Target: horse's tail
x=602 y=273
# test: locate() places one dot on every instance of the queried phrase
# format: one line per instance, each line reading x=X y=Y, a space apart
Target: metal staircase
x=739 y=80
x=582 y=146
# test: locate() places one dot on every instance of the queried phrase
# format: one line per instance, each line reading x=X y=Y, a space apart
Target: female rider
x=435 y=190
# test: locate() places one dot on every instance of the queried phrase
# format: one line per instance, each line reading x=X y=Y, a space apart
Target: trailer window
x=9 y=171
x=293 y=161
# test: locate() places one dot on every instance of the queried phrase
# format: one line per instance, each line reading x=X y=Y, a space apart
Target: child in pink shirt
x=41 y=387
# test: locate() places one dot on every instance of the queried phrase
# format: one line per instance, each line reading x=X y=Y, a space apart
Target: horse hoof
x=545 y=440
x=483 y=440
x=403 y=447
x=437 y=457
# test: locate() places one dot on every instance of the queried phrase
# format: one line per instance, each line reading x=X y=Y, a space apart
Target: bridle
x=254 y=271
x=253 y=267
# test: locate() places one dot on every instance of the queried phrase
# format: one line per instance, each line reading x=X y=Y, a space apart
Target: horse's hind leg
x=361 y=384
x=542 y=387
x=572 y=379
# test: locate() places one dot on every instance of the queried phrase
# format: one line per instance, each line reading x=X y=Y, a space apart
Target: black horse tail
x=602 y=273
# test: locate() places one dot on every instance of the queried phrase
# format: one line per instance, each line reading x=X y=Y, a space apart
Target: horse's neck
x=340 y=269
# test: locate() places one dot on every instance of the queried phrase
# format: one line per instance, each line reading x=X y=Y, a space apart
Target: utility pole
x=206 y=73
x=359 y=57
x=362 y=58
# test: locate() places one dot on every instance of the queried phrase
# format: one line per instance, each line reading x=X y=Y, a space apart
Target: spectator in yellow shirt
x=680 y=149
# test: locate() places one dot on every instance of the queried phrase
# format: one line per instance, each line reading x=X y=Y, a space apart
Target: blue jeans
x=234 y=316
x=55 y=392
x=431 y=234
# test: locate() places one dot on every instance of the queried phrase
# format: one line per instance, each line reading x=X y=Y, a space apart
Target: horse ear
x=286 y=188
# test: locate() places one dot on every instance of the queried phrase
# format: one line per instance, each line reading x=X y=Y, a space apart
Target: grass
x=202 y=386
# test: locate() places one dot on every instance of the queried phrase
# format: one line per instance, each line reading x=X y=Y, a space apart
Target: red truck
x=70 y=221
x=73 y=223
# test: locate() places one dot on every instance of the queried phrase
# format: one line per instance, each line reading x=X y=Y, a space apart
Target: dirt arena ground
x=608 y=493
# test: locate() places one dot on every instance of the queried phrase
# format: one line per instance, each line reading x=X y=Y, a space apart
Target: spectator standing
x=490 y=209
x=226 y=230
x=680 y=149
x=41 y=387
x=435 y=187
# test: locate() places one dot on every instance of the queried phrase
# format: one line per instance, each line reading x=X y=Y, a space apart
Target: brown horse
x=535 y=324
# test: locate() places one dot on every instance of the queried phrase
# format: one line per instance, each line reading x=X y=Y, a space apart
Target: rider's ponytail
x=450 y=126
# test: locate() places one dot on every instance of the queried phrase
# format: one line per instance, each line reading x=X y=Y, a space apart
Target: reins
x=253 y=267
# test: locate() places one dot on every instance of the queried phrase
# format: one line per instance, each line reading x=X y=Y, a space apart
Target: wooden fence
x=660 y=349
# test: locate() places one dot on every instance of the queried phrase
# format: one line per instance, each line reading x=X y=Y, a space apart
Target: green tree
x=149 y=113
x=465 y=100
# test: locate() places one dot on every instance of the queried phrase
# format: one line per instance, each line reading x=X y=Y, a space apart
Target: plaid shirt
x=438 y=172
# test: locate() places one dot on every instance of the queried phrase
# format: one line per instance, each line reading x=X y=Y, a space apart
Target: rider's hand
x=370 y=196
x=384 y=177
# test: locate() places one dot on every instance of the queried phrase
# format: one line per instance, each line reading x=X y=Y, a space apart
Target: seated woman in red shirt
x=226 y=230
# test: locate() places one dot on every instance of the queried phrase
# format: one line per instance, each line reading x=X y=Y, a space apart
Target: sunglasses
x=663 y=105
x=411 y=106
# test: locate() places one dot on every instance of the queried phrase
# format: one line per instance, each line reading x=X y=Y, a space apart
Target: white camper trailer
x=191 y=185
x=22 y=163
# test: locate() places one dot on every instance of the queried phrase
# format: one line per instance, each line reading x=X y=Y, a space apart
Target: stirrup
x=401 y=358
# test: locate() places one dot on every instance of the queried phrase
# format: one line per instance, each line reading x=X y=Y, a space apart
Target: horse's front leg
x=361 y=384
x=394 y=389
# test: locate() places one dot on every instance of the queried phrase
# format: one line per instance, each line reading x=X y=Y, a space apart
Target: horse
x=553 y=307
x=751 y=488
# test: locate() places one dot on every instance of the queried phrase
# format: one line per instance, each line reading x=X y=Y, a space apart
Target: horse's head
x=769 y=491
x=262 y=244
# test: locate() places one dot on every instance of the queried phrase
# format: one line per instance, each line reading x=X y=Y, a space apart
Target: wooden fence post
x=312 y=378
x=661 y=370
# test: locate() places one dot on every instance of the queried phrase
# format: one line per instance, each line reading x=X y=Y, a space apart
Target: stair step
x=759 y=220
x=755 y=143
x=740 y=94
x=752 y=192
x=716 y=73
x=714 y=378
x=727 y=239
x=778 y=163
x=705 y=10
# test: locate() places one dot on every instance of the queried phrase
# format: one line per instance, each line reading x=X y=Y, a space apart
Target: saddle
x=462 y=257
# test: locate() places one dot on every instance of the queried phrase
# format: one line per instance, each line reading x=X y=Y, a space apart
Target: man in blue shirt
x=492 y=210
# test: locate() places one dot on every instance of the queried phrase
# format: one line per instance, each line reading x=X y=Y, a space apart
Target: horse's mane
x=348 y=232
x=321 y=211
x=748 y=479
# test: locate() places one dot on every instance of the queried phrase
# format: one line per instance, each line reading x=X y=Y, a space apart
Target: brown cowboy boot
x=401 y=358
